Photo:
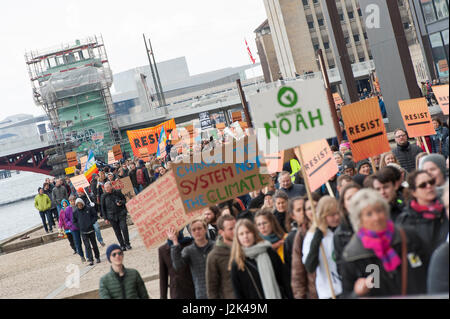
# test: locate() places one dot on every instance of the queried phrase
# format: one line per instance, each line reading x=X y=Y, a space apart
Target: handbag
x=62 y=234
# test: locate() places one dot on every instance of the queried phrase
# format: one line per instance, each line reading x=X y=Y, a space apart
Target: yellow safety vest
x=295 y=167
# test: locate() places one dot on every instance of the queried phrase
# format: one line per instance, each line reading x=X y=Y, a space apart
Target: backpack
x=140 y=177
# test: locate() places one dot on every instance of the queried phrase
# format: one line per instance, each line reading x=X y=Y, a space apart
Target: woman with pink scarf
x=374 y=263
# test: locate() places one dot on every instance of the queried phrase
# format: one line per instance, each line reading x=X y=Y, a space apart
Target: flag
x=91 y=167
x=162 y=140
x=249 y=52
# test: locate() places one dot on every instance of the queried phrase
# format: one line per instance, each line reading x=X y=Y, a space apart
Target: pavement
x=42 y=271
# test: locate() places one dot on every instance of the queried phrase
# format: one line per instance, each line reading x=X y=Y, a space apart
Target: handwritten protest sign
x=143 y=153
x=111 y=159
x=83 y=161
x=216 y=178
x=365 y=129
x=416 y=117
x=293 y=115
x=125 y=186
x=70 y=170
x=71 y=158
x=441 y=93
x=117 y=151
x=158 y=208
x=319 y=163
x=79 y=181
x=338 y=100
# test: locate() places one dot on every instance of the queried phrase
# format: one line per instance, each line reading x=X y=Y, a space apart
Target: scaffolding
x=71 y=82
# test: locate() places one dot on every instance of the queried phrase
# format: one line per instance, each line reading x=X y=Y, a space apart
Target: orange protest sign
x=274 y=162
x=158 y=208
x=365 y=129
x=416 y=117
x=441 y=93
x=148 y=137
x=72 y=159
x=117 y=152
x=143 y=153
x=319 y=163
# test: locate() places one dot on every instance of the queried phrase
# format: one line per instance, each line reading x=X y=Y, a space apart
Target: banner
x=125 y=186
x=416 y=117
x=441 y=94
x=292 y=115
x=365 y=129
x=117 y=151
x=79 y=181
x=72 y=159
x=158 y=208
x=148 y=137
x=319 y=163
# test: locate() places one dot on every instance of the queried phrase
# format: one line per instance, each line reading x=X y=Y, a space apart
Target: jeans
x=120 y=228
x=138 y=189
x=58 y=209
x=77 y=241
x=55 y=213
x=88 y=240
x=47 y=213
x=98 y=234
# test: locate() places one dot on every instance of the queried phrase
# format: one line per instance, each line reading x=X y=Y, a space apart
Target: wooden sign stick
x=330 y=190
x=308 y=191
x=425 y=143
x=374 y=168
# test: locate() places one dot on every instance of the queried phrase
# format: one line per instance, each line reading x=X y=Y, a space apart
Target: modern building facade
x=432 y=20
x=297 y=29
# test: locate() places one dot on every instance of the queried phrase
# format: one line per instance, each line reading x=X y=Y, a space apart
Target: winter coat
x=130 y=286
x=303 y=283
x=445 y=150
x=438 y=140
x=195 y=257
x=84 y=219
x=437 y=282
x=59 y=193
x=132 y=174
x=433 y=232
x=406 y=156
x=280 y=218
x=49 y=194
x=179 y=282
x=109 y=208
x=62 y=218
x=295 y=190
x=42 y=202
x=218 y=277
x=342 y=237
x=357 y=259
x=243 y=285
x=68 y=218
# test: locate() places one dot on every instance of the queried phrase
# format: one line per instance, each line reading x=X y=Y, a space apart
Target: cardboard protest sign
x=148 y=138
x=416 y=117
x=319 y=163
x=158 y=208
x=83 y=161
x=365 y=129
x=441 y=93
x=111 y=159
x=143 y=153
x=70 y=170
x=72 y=159
x=337 y=99
x=117 y=152
x=236 y=116
x=230 y=171
x=294 y=114
x=125 y=186
x=79 y=181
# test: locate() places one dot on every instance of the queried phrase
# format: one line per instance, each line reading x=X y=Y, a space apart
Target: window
x=347 y=40
x=406 y=25
x=350 y=15
x=331 y=66
x=428 y=11
x=316 y=47
x=315 y=1
x=365 y=35
x=51 y=63
x=60 y=60
x=341 y=16
x=356 y=37
x=441 y=9
x=305 y=2
x=361 y=59
x=311 y=25
x=326 y=45
x=400 y=3
x=320 y=22
x=439 y=55
x=359 y=12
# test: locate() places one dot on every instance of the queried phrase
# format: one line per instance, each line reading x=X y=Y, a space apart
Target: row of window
x=434 y=10
x=67 y=58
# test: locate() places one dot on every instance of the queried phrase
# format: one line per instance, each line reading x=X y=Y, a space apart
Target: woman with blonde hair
x=321 y=233
x=256 y=270
x=387 y=158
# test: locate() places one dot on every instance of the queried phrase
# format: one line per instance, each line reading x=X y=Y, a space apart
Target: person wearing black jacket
x=114 y=211
x=405 y=152
x=84 y=218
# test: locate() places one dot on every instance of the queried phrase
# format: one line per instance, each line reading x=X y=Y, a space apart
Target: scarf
x=428 y=212
x=380 y=243
x=265 y=269
x=272 y=238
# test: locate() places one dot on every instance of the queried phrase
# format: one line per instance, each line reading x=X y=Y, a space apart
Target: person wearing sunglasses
x=425 y=212
x=121 y=282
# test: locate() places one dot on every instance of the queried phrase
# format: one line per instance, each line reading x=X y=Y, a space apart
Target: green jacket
x=130 y=287
x=42 y=202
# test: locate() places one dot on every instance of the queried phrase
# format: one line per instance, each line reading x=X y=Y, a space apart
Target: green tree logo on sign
x=287 y=97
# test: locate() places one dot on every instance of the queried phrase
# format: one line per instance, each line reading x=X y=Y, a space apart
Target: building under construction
x=72 y=84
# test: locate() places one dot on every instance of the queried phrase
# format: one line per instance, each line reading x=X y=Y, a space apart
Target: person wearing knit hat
x=434 y=164
x=348 y=167
x=121 y=282
x=363 y=167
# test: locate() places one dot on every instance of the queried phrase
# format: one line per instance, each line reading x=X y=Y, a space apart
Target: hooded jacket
x=42 y=202
x=130 y=286
x=218 y=277
x=406 y=155
x=84 y=219
x=109 y=208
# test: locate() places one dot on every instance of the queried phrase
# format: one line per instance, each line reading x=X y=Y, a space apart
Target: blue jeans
x=47 y=214
x=138 y=189
x=98 y=234
x=77 y=241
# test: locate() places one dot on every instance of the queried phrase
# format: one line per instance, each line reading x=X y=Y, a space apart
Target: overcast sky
x=209 y=33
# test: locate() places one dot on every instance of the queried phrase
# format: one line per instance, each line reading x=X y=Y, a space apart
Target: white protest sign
x=79 y=181
x=294 y=114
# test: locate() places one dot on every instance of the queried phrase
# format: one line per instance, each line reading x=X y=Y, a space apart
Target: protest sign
x=125 y=186
x=205 y=120
x=70 y=170
x=117 y=152
x=337 y=100
x=365 y=129
x=158 y=208
x=236 y=116
x=319 y=163
x=111 y=159
x=441 y=94
x=232 y=170
x=416 y=117
x=294 y=114
x=79 y=181
x=143 y=153
x=72 y=159
x=148 y=138
x=83 y=161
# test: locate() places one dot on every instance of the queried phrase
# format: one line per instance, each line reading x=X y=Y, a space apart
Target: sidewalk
x=40 y=272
